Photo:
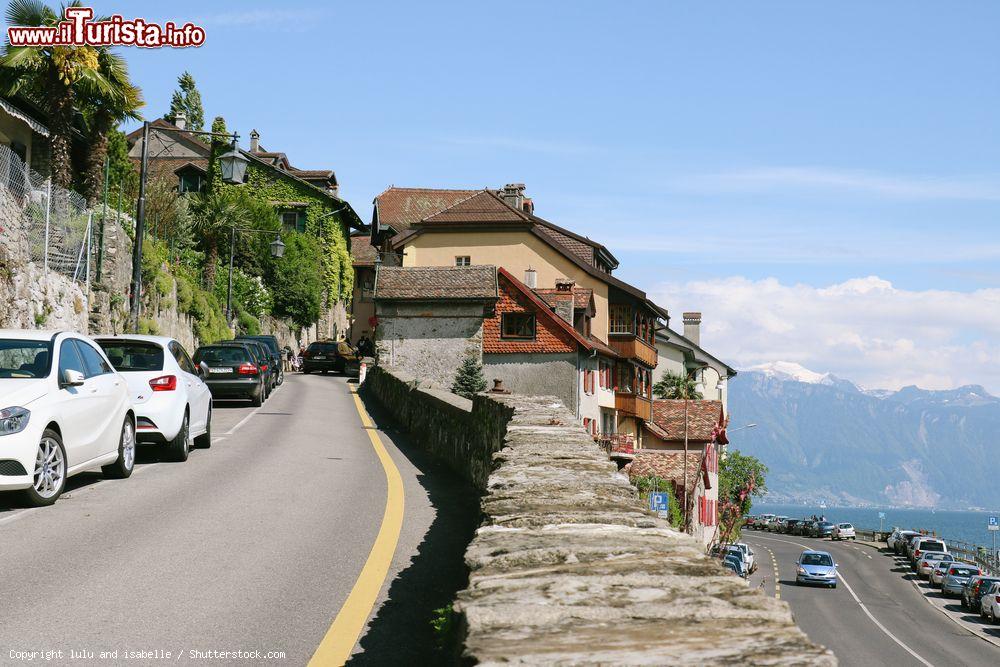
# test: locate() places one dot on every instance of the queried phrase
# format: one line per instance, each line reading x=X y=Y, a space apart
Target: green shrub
x=297 y=285
x=164 y=283
x=148 y=327
x=185 y=294
x=469 y=379
x=247 y=324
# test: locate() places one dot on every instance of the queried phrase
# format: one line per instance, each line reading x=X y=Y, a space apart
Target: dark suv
x=328 y=355
x=271 y=344
x=233 y=372
x=263 y=359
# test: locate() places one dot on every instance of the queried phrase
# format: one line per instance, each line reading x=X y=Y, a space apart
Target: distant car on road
x=327 y=355
x=922 y=545
x=270 y=343
x=989 y=604
x=956 y=577
x=747 y=552
x=816 y=567
x=63 y=410
x=733 y=566
x=897 y=540
x=938 y=572
x=232 y=372
x=821 y=529
x=929 y=560
x=733 y=559
x=974 y=590
x=790 y=526
x=777 y=524
x=264 y=362
x=843 y=531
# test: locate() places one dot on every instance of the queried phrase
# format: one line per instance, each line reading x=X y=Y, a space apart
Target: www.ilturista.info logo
x=78 y=29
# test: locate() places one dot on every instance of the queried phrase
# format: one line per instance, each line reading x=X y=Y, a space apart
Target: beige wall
x=670 y=359
x=515 y=251
x=13 y=129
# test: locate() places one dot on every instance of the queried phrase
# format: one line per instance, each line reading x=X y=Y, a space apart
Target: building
x=23 y=131
x=430 y=319
x=683 y=355
x=419 y=227
x=363 y=256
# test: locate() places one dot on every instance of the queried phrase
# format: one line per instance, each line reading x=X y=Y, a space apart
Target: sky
x=821 y=180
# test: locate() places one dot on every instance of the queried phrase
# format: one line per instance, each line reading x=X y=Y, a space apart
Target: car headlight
x=13 y=420
x=802 y=570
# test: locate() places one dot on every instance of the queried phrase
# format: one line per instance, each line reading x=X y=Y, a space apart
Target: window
x=517 y=325
x=182 y=358
x=24 y=358
x=92 y=360
x=621 y=318
x=191 y=181
x=463 y=260
x=290 y=220
x=69 y=359
x=133 y=355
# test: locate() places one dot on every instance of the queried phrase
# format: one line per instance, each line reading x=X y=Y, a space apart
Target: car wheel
x=204 y=441
x=49 y=478
x=833 y=585
x=125 y=463
x=180 y=446
x=257 y=398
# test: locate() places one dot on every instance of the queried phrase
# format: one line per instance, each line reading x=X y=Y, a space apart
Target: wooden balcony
x=630 y=347
x=636 y=406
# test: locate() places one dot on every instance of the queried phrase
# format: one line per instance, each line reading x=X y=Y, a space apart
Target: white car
x=989 y=607
x=173 y=405
x=929 y=561
x=747 y=553
x=843 y=531
x=63 y=410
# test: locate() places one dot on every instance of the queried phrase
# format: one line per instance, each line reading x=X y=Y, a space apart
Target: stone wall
x=553 y=374
x=567 y=568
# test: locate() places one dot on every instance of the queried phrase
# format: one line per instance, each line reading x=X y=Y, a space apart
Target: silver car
x=929 y=560
x=956 y=577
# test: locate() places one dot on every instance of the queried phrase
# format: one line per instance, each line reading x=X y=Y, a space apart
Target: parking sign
x=659 y=502
x=994 y=523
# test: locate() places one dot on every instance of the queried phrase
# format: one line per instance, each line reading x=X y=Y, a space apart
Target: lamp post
x=233 y=166
x=277 y=251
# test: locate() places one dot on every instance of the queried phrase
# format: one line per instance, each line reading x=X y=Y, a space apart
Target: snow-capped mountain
x=789 y=370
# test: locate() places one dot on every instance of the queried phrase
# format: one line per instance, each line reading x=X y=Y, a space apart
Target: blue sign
x=881 y=515
x=994 y=524
x=659 y=502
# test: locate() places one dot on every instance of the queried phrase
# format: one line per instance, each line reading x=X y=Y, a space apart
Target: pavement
x=877 y=614
x=252 y=545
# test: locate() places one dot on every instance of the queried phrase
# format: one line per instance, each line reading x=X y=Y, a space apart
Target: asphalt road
x=875 y=616
x=251 y=545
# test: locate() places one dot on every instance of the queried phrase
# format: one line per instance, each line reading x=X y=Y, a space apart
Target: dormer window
x=191 y=178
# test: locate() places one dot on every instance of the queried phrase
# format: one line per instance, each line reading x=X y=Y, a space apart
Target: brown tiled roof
x=362 y=250
x=313 y=173
x=482 y=207
x=666 y=465
x=401 y=207
x=602 y=347
x=703 y=417
x=581 y=296
x=579 y=248
x=436 y=282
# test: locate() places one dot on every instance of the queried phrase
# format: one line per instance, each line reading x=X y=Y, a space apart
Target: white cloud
x=758 y=179
x=863 y=329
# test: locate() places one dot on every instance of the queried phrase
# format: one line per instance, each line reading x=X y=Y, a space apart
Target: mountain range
x=826 y=439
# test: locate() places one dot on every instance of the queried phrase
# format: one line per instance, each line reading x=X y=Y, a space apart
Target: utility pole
x=104 y=216
x=140 y=230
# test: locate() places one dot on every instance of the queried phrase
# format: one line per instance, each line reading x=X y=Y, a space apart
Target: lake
x=956 y=525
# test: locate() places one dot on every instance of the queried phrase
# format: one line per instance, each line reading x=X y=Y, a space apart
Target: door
x=109 y=391
x=198 y=395
x=78 y=413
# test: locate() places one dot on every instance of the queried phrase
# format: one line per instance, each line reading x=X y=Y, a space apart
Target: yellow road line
x=339 y=640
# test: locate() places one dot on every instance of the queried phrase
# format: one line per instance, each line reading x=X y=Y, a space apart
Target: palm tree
x=58 y=78
x=676 y=386
x=214 y=214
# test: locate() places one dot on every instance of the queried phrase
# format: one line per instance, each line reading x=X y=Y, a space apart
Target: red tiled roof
x=401 y=207
x=482 y=207
x=362 y=250
x=581 y=296
x=666 y=465
x=602 y=347
x=703 y=417
x=436 y=282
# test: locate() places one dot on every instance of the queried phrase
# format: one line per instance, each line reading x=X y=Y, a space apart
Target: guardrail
x=966 y=551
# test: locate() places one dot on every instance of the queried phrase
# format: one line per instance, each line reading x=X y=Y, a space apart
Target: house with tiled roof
x=363 y=256
x=498 y=227
x=682 y=354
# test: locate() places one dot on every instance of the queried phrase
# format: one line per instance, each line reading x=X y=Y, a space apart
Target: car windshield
x=938 y=556
x=221 y=356
x=963 y=571
x=932 y=546
x=825 y=525
x=817 y=559
x=133 y=355
x=324 y=348
x=845 y=525
x=25 y=358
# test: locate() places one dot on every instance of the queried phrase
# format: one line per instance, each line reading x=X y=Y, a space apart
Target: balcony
x=633 y=405
x=630 y=347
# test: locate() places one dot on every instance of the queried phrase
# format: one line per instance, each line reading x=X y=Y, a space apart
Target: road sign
x=994 y=523
x=881 y=515
x=659 y=502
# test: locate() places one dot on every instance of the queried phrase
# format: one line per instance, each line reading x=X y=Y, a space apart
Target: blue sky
x=805 y=142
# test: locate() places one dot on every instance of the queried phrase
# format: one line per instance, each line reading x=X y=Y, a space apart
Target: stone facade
x=566 y=567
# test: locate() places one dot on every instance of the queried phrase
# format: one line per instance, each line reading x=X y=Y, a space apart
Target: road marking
x=860 y=604
x=20 y=514
x=243 y=421
x=340 y=639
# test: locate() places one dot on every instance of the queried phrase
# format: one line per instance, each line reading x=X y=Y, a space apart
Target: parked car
x=929 y=560
x=232 y=372
x=762 y=520
x=789 y=527
x=822 y=529
x=938 y=572
x=956 y=577
x=775 y=525
x=922 y=545
x=973 y=591
x=843 y=531
x=63 y=410
x=733 y=550
x=327 y=355
x=897 y=540
x=816 y=567
x=748 y=553
x=989 y=603
x=270 y=343
x=263 y=359
x=172 y=403
x=731 y=560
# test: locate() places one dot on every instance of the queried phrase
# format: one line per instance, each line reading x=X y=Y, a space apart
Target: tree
x=297 y=280
x=187 y=100
x=214 y=213
x=741 y=477
x=676 y=386
x=59 y=78
x=123 y=181
x=469 y=379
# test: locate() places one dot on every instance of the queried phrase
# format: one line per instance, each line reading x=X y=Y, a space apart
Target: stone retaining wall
x=567 y=568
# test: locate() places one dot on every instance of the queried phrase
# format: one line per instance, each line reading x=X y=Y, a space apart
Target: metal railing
x=617 y=444
x=965 y=551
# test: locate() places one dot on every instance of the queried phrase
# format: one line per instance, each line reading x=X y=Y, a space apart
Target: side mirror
x=203 y=369
x=72 y=378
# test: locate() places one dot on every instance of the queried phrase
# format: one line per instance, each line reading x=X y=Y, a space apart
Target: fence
x=57 y=222
x=966 y=551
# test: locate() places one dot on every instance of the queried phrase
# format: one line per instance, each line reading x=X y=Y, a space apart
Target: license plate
x=220 y=370
x=320 y=356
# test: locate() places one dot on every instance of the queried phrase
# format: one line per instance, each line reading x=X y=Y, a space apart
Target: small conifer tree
x=469 y=379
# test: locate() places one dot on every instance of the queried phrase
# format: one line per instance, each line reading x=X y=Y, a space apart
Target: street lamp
x=277 y=247
x=233 y=167
x=277 y=251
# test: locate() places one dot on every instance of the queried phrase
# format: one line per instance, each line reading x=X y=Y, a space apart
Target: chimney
x=180 y=120
x=565 y=284
x=531 y=278
x=513 y=195
x=254 y=141
x=692 y=327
